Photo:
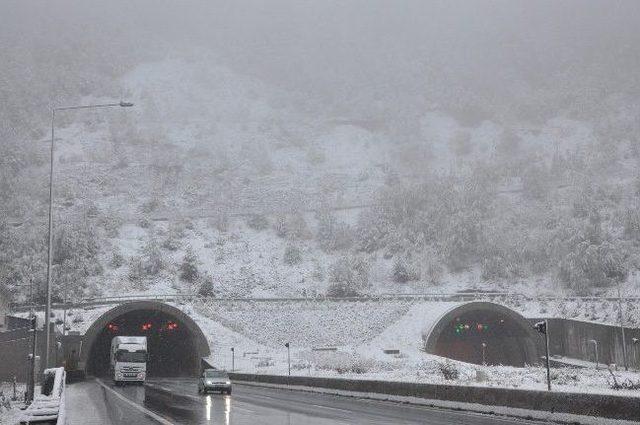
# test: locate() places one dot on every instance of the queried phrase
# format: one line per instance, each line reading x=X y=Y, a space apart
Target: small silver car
x=214 y=380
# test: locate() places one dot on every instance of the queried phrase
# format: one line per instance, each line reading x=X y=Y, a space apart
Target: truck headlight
x=141 y=375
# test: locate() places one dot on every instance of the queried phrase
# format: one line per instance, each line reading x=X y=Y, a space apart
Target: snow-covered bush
x=150 y=206
x=371 y=231
x=111 y=223
x=206 y=287
x=432 y=269
x=333 y=235
x=493 y=268
x=591 y=265
x=449 y=370
x=189 y=267
x=348 y=277
x=117 y=260
x=220 y=221
x=342 y=362
x=404 y=271
x=258 y=222
x=291 y=226
x=149 y=264
x=631 y=224
x=292 y=255
x=174 y=236
x=76 y=249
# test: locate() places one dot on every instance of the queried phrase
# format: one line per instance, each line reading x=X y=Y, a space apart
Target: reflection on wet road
x=177 y=401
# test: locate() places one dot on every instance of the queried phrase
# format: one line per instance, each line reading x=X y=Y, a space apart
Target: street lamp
x=543 y=328
x=47 y=313
x=624 y=341
x=233 y=359
x=595 y=347
x=635 y=341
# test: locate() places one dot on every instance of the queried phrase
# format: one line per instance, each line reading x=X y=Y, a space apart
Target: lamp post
x=543 y=328
x=288 y=356
x=635 y=341
x=233 y=359
x=47 y=313
x=595 y=348
x=624 y=341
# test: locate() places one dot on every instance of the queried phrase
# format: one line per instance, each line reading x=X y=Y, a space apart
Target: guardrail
x=49 y=405
x=442 y=297
x=598 y=405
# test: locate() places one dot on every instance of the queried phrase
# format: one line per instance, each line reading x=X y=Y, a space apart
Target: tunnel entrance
x=484 y=333
x=174 y=342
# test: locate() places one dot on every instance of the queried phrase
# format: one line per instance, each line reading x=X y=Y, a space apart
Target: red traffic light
x=146 y=326
x=112 y=327
x=172 y=325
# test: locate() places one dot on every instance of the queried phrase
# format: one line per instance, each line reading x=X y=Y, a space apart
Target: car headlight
x=228 y=382
x=209 y=382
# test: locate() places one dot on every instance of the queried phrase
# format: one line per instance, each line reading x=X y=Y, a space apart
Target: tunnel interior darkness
x=484 y=336
x=171 y=347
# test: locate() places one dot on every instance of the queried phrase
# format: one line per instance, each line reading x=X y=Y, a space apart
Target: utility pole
x=47 y=313
x=543 y=329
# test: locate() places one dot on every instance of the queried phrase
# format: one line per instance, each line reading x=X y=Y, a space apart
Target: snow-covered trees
x=189 y=268
x=292 y=255
x=148 y=264
x=332 y=234
x=404 y=271
x=348 y=277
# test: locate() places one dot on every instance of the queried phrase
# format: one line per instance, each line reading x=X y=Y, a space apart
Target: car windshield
x=129 y=357
x=215 y=374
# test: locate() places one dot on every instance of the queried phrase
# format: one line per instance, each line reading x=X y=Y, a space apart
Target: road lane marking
x=134 y=404
x=373 y=400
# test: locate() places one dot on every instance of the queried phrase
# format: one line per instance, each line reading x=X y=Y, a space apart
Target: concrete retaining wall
x=570 y=338
x=15 y=347
x=608 y=406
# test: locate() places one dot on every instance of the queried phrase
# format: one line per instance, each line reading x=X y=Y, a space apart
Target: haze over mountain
x=296 y=147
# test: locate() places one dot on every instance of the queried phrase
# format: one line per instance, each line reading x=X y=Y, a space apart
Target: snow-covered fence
x=49 y=405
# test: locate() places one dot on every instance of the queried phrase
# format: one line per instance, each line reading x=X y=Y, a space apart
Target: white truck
x=129 y=359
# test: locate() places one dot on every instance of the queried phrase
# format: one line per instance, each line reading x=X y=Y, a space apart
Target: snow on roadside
x=9 y=410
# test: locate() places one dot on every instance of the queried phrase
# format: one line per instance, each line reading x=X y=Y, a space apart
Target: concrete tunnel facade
x=474 y=332
x=482 y=332
x=176 y=344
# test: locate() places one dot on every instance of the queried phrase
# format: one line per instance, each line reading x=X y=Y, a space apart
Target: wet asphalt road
x=101 y=403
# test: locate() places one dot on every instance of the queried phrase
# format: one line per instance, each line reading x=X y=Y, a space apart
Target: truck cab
x=129 y=359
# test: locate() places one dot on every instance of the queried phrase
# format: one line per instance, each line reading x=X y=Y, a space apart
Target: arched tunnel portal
x=483 y=332
x=175 y=343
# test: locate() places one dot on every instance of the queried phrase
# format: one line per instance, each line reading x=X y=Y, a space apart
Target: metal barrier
x=49 y=405
x=441 y=297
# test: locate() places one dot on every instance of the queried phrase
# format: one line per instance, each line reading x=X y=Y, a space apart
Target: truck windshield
x=129 y=357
